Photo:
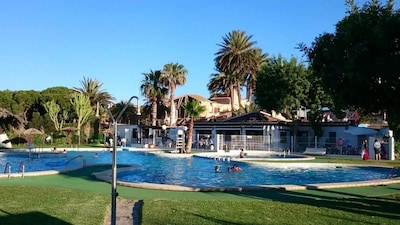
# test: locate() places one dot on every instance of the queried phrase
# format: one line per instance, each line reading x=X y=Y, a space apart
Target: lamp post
x=114 y=193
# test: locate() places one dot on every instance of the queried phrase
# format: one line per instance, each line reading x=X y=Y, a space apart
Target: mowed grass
x=314 y=211
x=47 y=205
x=77 y=198
x=22 y=205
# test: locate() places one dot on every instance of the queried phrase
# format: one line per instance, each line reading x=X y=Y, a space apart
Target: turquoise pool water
x=199 y=171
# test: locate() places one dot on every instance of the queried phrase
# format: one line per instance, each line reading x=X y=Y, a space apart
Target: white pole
x=315 y=142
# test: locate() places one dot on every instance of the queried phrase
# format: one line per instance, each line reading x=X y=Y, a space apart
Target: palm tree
x=153 y=90
x=193 y=111
x=129 y=115
x=248 y=108
x=235 y=58
x=173 y=74
x=221 y=83
x=251 y=78
x=92 y=89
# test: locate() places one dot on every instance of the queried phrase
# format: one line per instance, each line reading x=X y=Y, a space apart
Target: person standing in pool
x=234 y=168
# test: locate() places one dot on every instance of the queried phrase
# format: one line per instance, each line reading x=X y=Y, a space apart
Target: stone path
x=128 y=213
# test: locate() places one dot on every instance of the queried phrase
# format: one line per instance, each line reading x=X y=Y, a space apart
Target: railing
x=7 y=169
x=393 y=173
x=22 y=168
x=77 y=157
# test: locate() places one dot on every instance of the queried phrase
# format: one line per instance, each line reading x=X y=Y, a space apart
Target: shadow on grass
x=137 y=212
x=351 y=200
x=30 y=218
x=212 y=219
x=86 y=172
x=386 y=207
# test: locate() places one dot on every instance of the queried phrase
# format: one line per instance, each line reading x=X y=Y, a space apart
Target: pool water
x=34 y=163
x=199 y=171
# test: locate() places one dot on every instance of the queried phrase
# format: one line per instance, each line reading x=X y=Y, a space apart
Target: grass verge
x=21 y=205
x=77 y=198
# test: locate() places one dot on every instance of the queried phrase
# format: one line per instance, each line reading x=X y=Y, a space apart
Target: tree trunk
x=239 y=95
x=249 y=92
x=250 y=88
x=232 y=95
x=154 y=112
x=188 y=146
x=172 y=121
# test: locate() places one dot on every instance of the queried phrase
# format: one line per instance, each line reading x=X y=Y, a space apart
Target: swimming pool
x=199 y=171
x=33 y=163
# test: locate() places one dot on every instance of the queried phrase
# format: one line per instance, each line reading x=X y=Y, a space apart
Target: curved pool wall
x=144 y=173
x=255 y=155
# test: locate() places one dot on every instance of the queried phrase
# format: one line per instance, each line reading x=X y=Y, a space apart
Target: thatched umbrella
x=32 y=131
x=29 y=133
x=69 y=130
x=108 y=131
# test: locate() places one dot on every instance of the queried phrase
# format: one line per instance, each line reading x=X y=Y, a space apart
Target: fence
x=251 y=142
x=294 y=144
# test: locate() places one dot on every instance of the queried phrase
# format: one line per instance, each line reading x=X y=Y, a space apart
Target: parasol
x=108 y=131
x=32 y=131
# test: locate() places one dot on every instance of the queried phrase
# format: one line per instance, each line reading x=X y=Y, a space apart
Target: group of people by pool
x=54 y=150
x=379 y=150
x=234 y=168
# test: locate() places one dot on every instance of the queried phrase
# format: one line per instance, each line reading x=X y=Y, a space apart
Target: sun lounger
x=315 y=151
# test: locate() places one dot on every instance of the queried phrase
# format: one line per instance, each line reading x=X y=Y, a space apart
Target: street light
x=114 y=193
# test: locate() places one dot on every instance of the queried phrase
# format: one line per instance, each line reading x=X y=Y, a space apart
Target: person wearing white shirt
x=377 y=149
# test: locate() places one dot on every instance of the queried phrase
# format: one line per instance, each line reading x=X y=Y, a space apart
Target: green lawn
x=47 y=205
x=77 y=198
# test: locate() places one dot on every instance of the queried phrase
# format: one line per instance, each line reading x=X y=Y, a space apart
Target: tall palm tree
x=173 y=74
x=92 y=88
x=251 y=79
x=193 y=111
x=153 y=90
x=235 y=58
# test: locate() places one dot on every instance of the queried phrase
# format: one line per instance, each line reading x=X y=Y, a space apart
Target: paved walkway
x=128 y=213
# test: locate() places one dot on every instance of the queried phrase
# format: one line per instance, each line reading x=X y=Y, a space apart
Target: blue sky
x=48 y=43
